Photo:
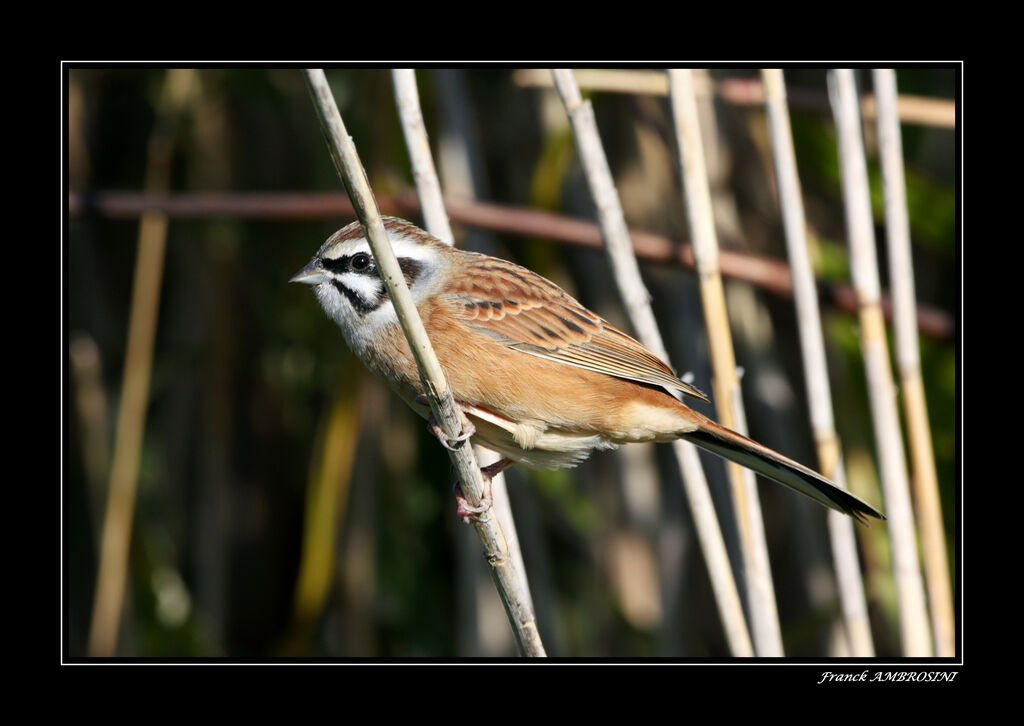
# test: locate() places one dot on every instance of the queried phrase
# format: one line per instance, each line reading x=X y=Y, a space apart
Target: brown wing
x=533 y=315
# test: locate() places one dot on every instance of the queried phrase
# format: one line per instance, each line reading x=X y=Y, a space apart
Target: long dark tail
x=736 y=447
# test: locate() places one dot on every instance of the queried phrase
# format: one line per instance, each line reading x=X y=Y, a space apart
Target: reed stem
x=924 y=480
x=914 y=621
x=507 y=578
x=753 y=547
x=131 y=416
x=428 y=189
x=812 y=346
x=637 y=303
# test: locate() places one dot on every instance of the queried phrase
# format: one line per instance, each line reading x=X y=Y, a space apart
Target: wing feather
x=533 y=315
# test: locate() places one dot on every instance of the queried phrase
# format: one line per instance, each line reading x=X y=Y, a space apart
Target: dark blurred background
x=288 y=505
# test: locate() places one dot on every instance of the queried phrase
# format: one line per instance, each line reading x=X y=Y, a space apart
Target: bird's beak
x=311 y=274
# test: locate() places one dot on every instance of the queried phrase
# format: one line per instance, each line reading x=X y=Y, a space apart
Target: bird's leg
x=465 y=511
x=492 y=470
x=468 y=429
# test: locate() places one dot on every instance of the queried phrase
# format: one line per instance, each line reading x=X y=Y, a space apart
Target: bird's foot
x=468 y=429
x=466 y=511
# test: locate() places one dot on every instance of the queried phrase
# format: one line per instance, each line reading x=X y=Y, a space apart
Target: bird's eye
x=360 y=262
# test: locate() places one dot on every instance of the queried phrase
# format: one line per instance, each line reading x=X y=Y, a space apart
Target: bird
x=539 y=378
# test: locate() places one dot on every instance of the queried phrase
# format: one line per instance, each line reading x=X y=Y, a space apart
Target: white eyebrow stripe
x=403 y=247
x=406 y=247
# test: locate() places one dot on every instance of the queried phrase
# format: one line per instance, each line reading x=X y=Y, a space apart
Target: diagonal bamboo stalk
x=637 y=303
x=812 y=345
x=914 y=624
x=131 y=416
x=925 y=482
x=507 y=578
x=754 y=550
x=464 y=177
x=428 y=189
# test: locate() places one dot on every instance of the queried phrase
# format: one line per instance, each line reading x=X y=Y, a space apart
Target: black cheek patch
x=411 y=269
x=362 y=307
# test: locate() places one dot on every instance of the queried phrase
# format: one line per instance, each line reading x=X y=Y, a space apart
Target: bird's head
x=348 y=284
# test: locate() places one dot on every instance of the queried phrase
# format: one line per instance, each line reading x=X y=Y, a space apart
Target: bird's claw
x=466 y=511
x=468 y=430
x=452 y=444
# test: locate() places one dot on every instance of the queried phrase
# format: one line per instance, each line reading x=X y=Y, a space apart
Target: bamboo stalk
x=925 y=481
x=91 y=411
x=754 y=550
x=424 y=174
x=327 y=495
x=914 y=625
x=131 y=417
x=637 y=303
x=131 y=422
x=812 y=346
x=428 y=189
x=507 y=578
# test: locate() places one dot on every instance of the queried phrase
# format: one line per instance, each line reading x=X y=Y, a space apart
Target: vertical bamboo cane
x=637 y=303
x=756 y=570
x=914 y=626
x=91 y=410
x=925 y=482
x=327 y=495
x=844 y=545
